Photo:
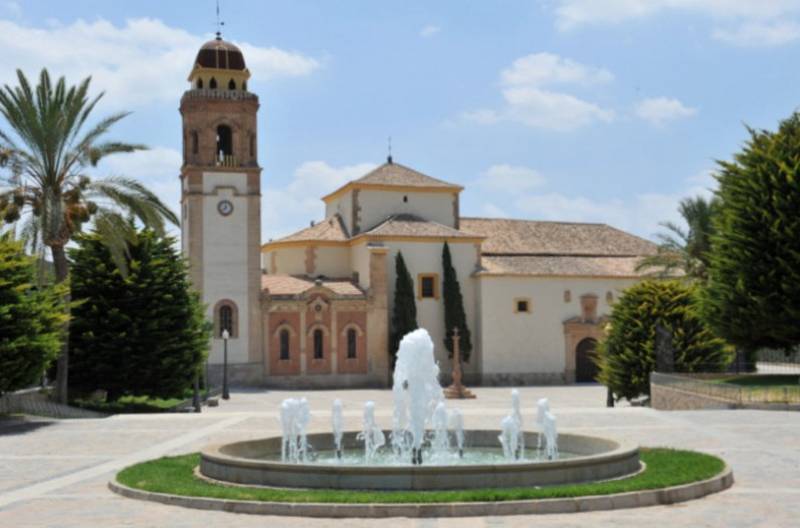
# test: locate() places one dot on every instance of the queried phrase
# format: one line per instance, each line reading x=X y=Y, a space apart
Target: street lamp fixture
x=225 y=394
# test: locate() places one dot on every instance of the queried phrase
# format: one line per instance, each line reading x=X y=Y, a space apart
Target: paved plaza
x=54 y=473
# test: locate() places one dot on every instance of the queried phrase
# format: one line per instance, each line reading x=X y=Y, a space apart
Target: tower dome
x=220 y=54
x=219 y=65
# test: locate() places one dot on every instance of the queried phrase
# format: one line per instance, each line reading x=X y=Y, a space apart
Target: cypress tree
x=143 y=333
x=454 y=315
x=404 y=312
x=753 y=294
x=626 y=356
x=31 y=319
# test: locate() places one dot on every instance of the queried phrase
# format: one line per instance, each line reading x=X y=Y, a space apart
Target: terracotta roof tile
x=330 y=229
x=579 y=266
x=528 y=237
x=411 y=225
x=279 y=285
x=396 y=174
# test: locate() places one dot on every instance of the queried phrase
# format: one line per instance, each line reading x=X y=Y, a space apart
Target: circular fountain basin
x=258 y=462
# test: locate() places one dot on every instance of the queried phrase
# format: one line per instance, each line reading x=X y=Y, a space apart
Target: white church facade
x=313 y=309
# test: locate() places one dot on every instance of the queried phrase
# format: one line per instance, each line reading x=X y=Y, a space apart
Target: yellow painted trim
x=435 y=277
x=351 y=186
x=366 y=238
x=518 y=300
x=201 y=70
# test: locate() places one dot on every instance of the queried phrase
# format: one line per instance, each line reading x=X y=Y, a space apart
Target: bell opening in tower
x=224 y=144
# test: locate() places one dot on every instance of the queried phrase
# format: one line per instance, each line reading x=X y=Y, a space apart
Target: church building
x=313 y=309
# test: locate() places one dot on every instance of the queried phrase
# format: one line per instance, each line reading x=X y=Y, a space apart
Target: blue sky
x=579 y=110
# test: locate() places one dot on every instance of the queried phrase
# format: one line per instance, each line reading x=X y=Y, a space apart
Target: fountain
x=420 y=454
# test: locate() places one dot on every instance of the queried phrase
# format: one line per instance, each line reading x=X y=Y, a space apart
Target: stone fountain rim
x=622 y=450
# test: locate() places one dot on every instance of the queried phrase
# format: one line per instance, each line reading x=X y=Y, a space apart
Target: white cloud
x=292 y=207
x=12 y=8
x=429 y=31
x=137 y=63
x=760 y=34
x=490 y=210
x=544 y=69
x=659 y=110
x=530 y=98
x=511 y=178
x=752 y=22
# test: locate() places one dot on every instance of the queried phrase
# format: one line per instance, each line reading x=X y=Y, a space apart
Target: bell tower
x=221 y=205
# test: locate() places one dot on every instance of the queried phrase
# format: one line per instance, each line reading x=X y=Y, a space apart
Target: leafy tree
x=140 y=333
x=685 y=250
x=626 y=356
x=48 y=155
x=404 y=312
x=753 y=293
x=30 y=319
x=454 y=315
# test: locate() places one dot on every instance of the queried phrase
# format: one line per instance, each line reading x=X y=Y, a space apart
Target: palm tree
x=685 y=251
x=49 y=190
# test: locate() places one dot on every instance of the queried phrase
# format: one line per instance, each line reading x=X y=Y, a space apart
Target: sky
x=573 y=110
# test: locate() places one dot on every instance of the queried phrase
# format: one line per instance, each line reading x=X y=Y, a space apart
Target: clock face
x=225 y=207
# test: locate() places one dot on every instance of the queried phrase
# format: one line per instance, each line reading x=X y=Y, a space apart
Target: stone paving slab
x=761 y=447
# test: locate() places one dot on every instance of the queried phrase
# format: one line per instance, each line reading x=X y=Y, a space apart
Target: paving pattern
x=54 y=473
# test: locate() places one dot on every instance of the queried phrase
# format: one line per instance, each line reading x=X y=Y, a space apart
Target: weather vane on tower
x=219 y=24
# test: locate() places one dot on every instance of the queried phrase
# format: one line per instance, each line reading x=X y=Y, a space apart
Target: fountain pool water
x=428 y=446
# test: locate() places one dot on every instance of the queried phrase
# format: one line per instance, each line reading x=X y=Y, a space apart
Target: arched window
x=352 y=335
x=224 y=141
x=318 y=350
x=212 y=83
x=231 y=85
x=199 y=84
x=195 y=142
x=225 y=319
x=284 y=339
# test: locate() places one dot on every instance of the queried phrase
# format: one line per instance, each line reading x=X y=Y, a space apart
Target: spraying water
x=440 y=445
x=508 y=437
x=516 y=413
x=550 y=436
x=542 y=408
x=416 y=393
x=458 y=426
x=371 y=434
x=295 y=416
x=336 y=424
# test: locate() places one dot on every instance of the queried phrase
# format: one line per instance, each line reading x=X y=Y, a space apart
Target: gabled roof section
x=392 y=174
x=292 y=285
x=407 y=225
x=331 y=229
x=561 y=266
x=537 y=238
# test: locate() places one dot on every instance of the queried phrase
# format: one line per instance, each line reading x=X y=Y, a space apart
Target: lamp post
x=225 y=394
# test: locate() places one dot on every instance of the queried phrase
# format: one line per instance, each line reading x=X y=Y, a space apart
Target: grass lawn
x=665 y=467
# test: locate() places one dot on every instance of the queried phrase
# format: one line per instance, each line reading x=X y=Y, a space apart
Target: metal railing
x=742 y=389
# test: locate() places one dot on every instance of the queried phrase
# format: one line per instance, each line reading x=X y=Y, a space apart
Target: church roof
x=411 y=225
x=537 y=238
x=577 y=266
x=331 y=229
x=290 y=285
x=392 y=174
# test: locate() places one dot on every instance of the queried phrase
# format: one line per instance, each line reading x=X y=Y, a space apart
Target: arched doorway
x=585 y=369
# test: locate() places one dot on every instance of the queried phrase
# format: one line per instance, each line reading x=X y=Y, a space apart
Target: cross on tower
x=219 y=24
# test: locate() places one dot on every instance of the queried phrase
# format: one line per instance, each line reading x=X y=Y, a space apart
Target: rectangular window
x=284 y=345
x=351 y=343
x=522 y=306
x=428 y=286
x=318 y=344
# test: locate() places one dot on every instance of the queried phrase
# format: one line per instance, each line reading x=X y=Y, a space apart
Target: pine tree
x=753 y=293
x=142 y=333
x=404 y=313
x=454 y=315
x=30 y=319
x=626 y=356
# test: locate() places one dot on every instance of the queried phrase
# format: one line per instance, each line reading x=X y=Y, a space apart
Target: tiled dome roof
x=220 y=54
